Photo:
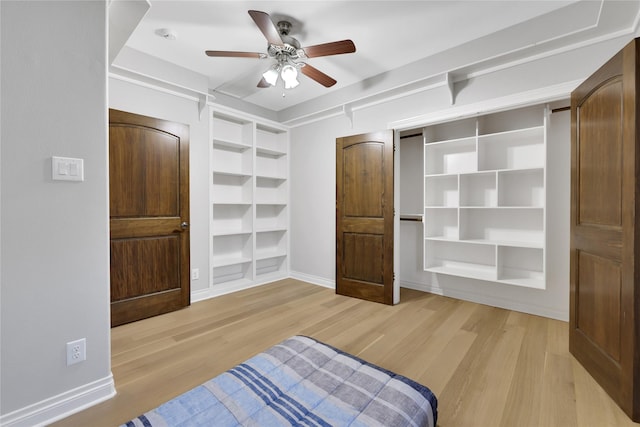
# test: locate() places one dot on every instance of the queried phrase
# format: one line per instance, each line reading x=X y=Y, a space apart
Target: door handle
x=184 y=225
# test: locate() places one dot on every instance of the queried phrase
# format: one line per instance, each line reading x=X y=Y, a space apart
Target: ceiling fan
x=288 y=54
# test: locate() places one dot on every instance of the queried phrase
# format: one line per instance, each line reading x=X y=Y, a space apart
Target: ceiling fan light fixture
x=271 y=75
x=290 y=76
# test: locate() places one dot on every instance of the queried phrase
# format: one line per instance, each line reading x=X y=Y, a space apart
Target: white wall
x=313 y=177
x=142 y=100
x=55 y=239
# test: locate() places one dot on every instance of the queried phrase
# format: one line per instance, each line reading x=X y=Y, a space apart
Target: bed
x=300 y=381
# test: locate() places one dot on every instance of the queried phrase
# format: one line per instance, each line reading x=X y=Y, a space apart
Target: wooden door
x=149 y=216
x=603 y=334
x=364 y=216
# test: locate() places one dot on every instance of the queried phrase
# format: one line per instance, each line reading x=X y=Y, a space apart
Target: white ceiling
x=388 y=35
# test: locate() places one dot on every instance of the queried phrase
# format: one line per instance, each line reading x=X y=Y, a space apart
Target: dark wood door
x=364 y=216
x=604 y=184
x=149 y=216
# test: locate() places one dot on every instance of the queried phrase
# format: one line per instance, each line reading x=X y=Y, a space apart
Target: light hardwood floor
x=487 y=366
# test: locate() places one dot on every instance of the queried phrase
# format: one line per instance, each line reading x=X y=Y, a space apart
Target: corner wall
x=54 y=246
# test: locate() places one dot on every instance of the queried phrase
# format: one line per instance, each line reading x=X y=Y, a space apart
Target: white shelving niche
x=272 y=194
x=484 y=197
x=249 y=202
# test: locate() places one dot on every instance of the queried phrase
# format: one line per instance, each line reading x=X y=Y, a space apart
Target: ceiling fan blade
x=317 y=75
x=333 y=48
x=264 y=22
x=234 y=54
x=263 y=83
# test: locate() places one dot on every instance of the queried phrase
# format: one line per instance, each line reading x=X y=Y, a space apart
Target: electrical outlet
x=76 y=351
x=195 y=274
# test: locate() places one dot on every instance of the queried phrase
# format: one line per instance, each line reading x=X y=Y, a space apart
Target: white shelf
x=271 y=177
x=231 y=232
x=227 y=261
x=471 y=271
x=232 y=203
x=270 y=152
x=484 y=198
x=270 y=229
x=270 y=254
x=249 y=198
x=231 y=173
x=226 y=144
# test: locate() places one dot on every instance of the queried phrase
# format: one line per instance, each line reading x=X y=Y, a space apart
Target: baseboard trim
x=492 y=301
x=314 y=280
x=61 y=406
x=234 y=286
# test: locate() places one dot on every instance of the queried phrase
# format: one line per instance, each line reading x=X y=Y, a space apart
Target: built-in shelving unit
x=249 y=201
x=484 y=197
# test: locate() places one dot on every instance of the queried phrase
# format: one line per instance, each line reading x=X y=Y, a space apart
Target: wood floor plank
x=558 y=397
x=487 y=366
x=523 y=403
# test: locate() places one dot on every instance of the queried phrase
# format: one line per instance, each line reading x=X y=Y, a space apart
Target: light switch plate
x=67 y=169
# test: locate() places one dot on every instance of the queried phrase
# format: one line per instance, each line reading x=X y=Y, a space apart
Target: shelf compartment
x=270 y=190
x=232 y=273
x=271 y=217
x=478 y=189
x=232 y=132
x=271 y=141
x=230 y=145
x=231 y=188
x=271 y=166
x=460 y=259
x=231 y=219
x=447 y=131
x=231 y=160
x=508 y=120
x=441 y=223
x=521 y=188
x=521 y=266
x=271 y=265
x=449 y=157
x=441 y=190
x=271 y=244
x=509 y=226
x=518 y=149
x=231 y=249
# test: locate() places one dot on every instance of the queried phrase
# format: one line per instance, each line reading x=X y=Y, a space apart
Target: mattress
x=300 y=381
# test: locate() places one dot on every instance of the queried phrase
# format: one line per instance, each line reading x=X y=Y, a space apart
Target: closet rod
x=410 y=136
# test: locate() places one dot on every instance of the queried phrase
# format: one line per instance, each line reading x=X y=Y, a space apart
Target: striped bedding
x=300 y=381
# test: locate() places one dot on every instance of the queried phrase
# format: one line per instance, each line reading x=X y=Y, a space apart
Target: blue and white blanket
x=300 y=381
